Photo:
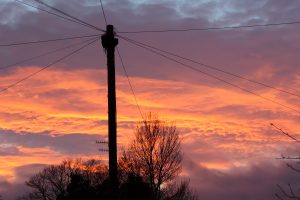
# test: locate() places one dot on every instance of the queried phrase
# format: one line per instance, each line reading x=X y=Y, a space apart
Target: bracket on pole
x=108 y=40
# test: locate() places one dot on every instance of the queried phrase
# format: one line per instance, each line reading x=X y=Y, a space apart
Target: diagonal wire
x=68 y=15
x=44 y=54
x=51 y=13
x=212 y=76
x=102 y=7
x=45 y=41
x=129 y=82
x=285 y=133
x=213 y=28
x=215 y=68
x=44 y=68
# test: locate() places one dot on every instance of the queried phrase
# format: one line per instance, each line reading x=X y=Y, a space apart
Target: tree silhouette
x=80 y=188
x=154 y=154
x=81 y=180
x=67 y=180
x=152 y=160
x=134 y=188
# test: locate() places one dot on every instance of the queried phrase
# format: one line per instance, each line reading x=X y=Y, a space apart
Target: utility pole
x=109 y=42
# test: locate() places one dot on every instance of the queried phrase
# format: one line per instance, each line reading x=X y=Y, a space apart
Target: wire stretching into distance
x=124 y=68
x=103 y=12
x=51 y=13
x=44 y=54
x=129 y=82
x=210 y=75
x=68 y=15
x=212 y=28
x=46 y=67
x=216 y=68
x=46 y=11
x=45 y=41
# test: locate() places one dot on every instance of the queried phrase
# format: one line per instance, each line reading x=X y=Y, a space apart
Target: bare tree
x=153 y=159
x=53 y=182
x=154 y=153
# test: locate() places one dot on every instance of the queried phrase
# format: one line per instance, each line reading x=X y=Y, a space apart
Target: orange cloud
x=74 y=101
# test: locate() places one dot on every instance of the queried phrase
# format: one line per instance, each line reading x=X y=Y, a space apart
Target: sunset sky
x=228 y=144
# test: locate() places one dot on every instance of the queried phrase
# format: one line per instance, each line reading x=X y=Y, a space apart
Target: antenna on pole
x=109 y=43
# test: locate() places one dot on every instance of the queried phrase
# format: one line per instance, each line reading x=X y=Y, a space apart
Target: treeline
x=148 y=169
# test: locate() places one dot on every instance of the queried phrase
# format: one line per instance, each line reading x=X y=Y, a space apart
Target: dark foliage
x=154 y=154
x=147 y=170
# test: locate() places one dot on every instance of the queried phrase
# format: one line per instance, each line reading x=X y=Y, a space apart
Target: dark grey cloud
x=11 y=190
x=9 y=151
x=25 y=171
x=242 y=51
x=257 y=181
x=70 y=144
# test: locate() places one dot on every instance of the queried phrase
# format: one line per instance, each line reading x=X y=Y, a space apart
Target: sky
x=229 y=146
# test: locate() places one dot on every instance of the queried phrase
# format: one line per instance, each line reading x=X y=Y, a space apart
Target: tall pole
x=109 y=42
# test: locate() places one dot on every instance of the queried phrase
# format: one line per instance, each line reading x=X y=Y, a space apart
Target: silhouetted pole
x=109 y=42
